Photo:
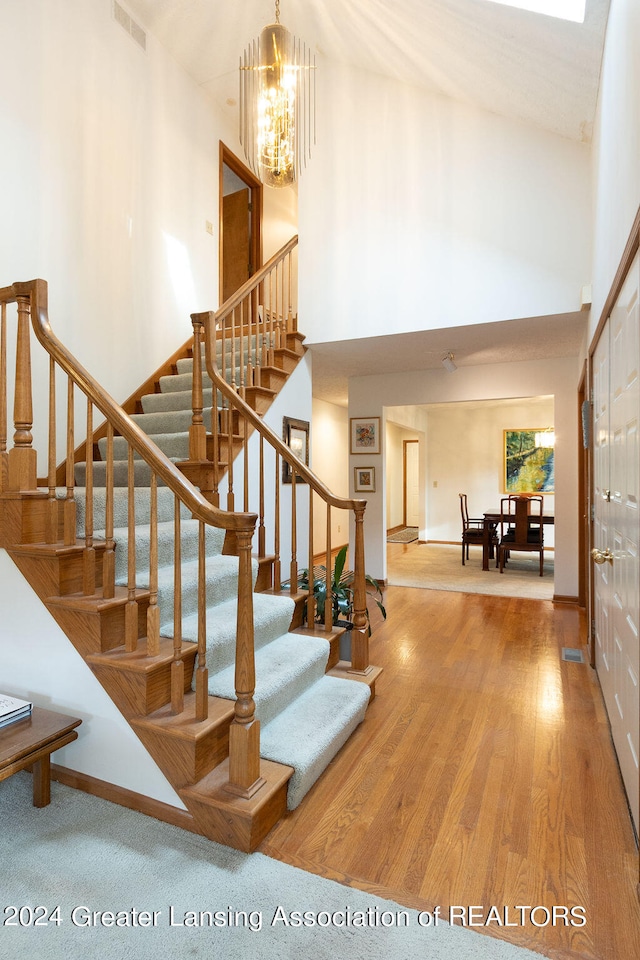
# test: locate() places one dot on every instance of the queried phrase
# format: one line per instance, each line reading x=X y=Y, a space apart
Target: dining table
x=491 y=521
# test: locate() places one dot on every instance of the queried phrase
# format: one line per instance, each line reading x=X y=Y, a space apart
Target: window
x=564 y=9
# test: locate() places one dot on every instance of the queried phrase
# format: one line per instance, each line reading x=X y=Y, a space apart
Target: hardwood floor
x=483 y=775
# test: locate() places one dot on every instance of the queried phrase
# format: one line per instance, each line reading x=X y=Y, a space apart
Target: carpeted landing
x=84 y=878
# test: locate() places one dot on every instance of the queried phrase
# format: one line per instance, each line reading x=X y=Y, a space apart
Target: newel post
x=244 y=732
x=22 y=457
x=360 y=632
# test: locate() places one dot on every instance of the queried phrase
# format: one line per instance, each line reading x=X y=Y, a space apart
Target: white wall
x=394 y=479
x=330 y=462
x=370 y=396
x=465 y=454
x=616 y=148
x=440 y=214
x=40 y=664
x=110 y=172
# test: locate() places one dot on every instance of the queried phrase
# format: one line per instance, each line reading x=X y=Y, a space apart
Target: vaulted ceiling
x=522 y=65
x=535 y=68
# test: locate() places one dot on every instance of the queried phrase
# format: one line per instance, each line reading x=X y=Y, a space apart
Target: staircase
x=195 y=638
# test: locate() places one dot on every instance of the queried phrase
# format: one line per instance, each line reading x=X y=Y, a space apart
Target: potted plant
x=342 y=597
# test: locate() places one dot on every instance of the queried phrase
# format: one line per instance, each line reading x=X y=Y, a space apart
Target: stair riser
x=187 y=759
x=97 y=631
x=58 y=576
x=137 y=694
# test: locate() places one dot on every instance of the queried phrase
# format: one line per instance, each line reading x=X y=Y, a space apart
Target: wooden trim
x=583 y=497
x=124 y=798
x=630 y=250
x=560 y=598
x=404 y=476
x=257 y=203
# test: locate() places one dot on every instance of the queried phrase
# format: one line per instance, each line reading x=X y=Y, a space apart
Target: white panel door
x=617 y=527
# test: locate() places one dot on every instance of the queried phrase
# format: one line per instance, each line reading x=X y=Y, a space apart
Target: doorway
x=411 y=483
x=240 y=223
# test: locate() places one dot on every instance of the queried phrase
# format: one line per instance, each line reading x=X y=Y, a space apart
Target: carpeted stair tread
x=271 y=618
x=175 y=400
x=175 y=446
x=285 y=669
x=214 y=540
x=221 y=584
x=311 y=730
x=169 y=421
x=142 y=505
x=141 y=473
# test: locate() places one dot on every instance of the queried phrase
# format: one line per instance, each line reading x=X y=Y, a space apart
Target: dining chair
x=521 y=528
x=473 y=531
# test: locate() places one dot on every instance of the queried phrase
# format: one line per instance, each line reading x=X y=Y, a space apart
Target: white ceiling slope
x=519 y=64
x=525 y=66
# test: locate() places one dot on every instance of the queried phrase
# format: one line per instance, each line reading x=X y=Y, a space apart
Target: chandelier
x=277 y=105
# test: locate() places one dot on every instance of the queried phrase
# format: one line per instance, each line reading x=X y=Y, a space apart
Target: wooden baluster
x=22 y=460
x=282 y=342
x=293 y=575
x=131 y=609
x=262 y=322
x=197 y=430
x=216 y=414
x=360 y=632
x=202 y=673
x=109 y=561
x=52 y=505
x=277 y=567
x=244 y=732
x=245 y=454
x=230 y=495
x=290 y=324
x=234 y=347
x=4 y=457
x=311 y=599
x=262 y=534
x=153 y=611
x=89 y=552
x=177 y=664
x=69 y=502
x=328 y=578
x=272 y=330
x=241 y=345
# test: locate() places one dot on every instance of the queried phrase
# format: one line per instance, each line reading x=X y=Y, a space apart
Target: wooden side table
x=30 y=742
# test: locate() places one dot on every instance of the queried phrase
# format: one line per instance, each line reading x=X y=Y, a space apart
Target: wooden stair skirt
x=192 y=754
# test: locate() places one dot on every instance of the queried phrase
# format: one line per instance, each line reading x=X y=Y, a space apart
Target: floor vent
x=128 y=23
x=572 y=654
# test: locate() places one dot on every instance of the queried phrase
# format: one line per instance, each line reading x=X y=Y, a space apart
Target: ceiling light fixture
x=448 y=364
x=277 y=105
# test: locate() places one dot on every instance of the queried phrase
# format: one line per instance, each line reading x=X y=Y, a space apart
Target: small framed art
x=295 y=434
x=365 y=435
x=364 y=479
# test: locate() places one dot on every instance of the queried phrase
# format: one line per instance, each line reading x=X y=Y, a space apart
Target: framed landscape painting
x=528 y=461
x=296 y=436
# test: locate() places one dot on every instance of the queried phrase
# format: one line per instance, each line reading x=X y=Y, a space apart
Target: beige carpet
x=436 y=566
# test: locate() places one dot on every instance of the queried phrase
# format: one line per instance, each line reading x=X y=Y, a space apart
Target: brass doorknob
x=602 y=556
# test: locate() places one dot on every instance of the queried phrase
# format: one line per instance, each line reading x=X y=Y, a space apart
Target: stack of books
x=12 y=709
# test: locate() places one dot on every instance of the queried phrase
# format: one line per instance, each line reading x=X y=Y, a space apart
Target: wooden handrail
x=31 y=299
x=36 y=290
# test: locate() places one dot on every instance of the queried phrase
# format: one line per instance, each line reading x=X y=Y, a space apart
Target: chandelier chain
x=277 y=11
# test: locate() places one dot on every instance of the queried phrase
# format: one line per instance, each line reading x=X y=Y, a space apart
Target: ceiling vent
x=127 y=23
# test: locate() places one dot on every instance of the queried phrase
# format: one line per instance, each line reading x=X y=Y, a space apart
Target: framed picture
x=295 y=434
x=365 y=435
x=528 y=461
x=364 y=479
